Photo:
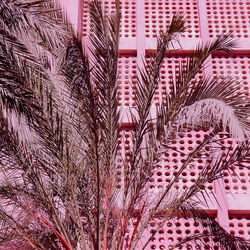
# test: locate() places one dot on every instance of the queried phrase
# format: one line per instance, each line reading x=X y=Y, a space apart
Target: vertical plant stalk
x=107 y=218
x=59 y=236
x=63 y=241
x=188 y=160
x=136 y=227
x=98 y=194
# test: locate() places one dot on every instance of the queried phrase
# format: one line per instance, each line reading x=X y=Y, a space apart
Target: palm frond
x=183 y=86
x=22 y=18
x=216 y=233
x=65 y=181
x=217 y=101
x=149 y=78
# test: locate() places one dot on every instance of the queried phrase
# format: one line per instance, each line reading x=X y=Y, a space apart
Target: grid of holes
x=125 y=143
x=128 y=20
x=236 y=180
x=231 y=16
x=237 y=67
x=220 y=65
x=124 y=151
x=172 y=161
x=237 y=183
x=185 y=144
x=85 y=19
x=169 y=68
x=239 y=225
x=126 y=80
x=158 y=15
x=174 y=231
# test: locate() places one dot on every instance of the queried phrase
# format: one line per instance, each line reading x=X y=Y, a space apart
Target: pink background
x=141 y=20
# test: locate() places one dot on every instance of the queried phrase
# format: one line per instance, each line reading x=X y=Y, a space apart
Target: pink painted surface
x=71 y=7
x=141 y=21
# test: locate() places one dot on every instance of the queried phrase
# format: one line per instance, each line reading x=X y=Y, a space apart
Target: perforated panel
x=230 y=16
x=158 y=15
x=123 y=147
x=237 y=67
x=85 y=20
x=128 y=21
x=168 y=166
x=237 y=182
x=170 y=67
x=176 y=230
x=182 y=145
x=125 y=144
x=126 y=80
x=173 y=160
x=239 y=225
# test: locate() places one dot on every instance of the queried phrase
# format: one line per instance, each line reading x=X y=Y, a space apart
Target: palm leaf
x=67 y=179
x=217 y=101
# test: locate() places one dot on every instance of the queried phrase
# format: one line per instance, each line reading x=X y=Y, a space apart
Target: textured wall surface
x=141 y=22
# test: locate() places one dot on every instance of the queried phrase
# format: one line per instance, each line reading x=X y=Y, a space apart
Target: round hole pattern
x=128 y=19
x=223 y=15
x=237 y=180
x=171 y=162
x=158 y=15
x=239 y=225
x=237 y=67
x=125 y=146
x=237 y=184
x=126 y=80
x=230 y=16
x=174 y=231
x=85 y=19
x=170 y=68
x=166 y=167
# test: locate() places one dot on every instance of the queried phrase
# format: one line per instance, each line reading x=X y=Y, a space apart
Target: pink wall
x=71 y=8
x=141 y=20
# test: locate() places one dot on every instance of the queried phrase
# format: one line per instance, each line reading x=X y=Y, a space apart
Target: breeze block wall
x=141 y=21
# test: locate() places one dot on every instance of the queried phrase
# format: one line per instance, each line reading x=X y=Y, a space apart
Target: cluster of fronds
x=60 y=123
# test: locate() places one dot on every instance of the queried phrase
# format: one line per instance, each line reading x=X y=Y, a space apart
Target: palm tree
x=65 y=183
